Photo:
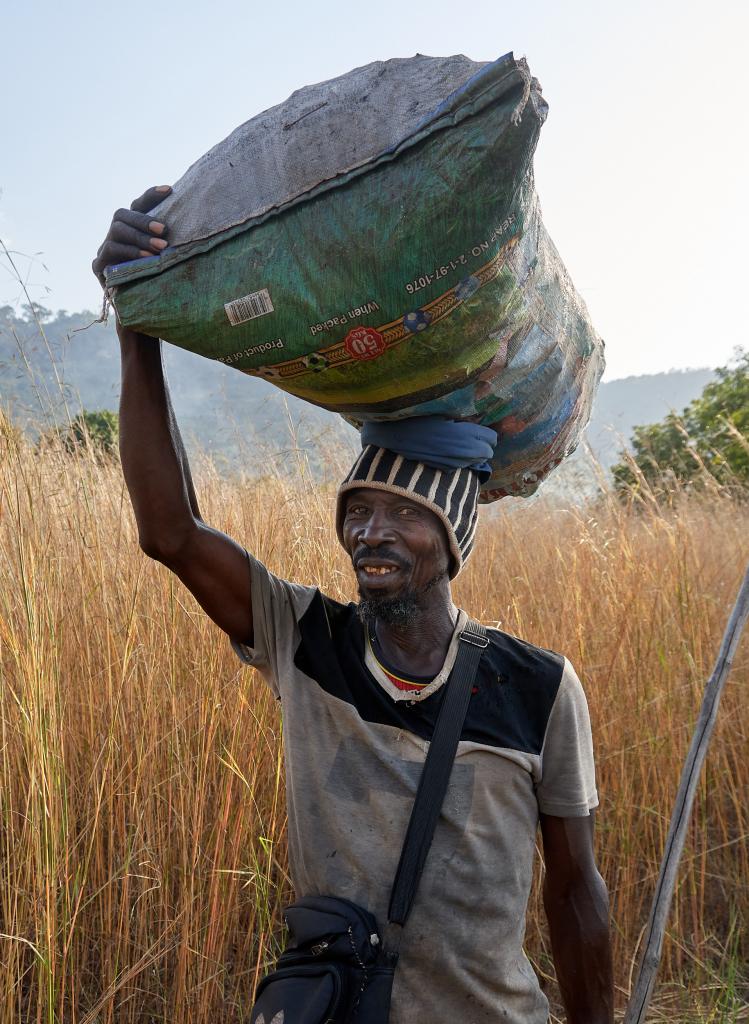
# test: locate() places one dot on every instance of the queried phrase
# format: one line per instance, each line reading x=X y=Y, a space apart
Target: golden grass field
x=142 y=845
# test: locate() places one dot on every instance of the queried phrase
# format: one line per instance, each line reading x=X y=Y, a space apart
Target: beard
x=392 y=611
x=399 y=609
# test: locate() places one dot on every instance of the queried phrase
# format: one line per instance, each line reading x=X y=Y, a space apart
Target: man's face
x=399 y=551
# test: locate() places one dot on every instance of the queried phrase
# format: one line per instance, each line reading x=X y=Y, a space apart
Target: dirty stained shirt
x=354 y=747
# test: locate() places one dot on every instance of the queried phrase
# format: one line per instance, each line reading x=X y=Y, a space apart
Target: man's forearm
x=153 y=457
x=580 y=941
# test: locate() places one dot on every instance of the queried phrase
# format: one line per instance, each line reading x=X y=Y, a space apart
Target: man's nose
x=375 y=531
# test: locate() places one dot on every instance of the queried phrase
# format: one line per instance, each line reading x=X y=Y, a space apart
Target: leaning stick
x=640 y=998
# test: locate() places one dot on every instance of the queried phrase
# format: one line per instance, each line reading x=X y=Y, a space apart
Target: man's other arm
x=154 y=463
x=577 y=907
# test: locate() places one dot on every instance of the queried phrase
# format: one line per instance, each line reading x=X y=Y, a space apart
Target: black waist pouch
x=333 y=970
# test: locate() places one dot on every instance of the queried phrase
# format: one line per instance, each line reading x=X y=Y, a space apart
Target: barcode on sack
x=248 y=307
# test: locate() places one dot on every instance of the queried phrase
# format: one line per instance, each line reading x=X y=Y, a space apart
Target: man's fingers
x=142 y=221
x=150 y=198
x=133 y=233
x=120 y=232
x=116 y=252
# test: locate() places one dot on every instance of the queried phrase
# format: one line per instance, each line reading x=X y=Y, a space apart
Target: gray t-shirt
x=355 y=746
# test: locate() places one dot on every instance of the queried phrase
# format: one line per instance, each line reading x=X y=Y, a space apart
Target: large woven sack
x=374 y=245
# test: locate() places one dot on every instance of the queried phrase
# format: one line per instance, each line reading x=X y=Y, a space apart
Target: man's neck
x=420 y=648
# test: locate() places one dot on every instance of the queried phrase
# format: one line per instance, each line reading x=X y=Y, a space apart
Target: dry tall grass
x=142 y=849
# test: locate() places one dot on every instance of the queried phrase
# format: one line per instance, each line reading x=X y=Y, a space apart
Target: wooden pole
x=640 y=998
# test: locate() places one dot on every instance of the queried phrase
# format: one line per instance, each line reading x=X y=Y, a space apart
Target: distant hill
x=219 y=410
x=620 y=406
x=628 y=402
x=230 y=414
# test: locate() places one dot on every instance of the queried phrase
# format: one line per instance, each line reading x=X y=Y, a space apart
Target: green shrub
x=708 y=441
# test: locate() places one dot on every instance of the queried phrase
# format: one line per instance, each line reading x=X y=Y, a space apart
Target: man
x=361 y=687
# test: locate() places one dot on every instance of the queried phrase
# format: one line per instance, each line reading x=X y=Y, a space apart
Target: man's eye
x=408 y=511
x=356 y=510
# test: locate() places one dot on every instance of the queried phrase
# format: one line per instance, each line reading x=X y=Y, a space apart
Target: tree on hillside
x=95 y=432
x=35 y=311
x=710 y=438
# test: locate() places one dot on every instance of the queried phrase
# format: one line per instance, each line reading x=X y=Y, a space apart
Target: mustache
x=385 y=553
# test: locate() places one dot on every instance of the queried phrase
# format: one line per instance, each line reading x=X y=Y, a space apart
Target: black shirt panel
x=512 y=698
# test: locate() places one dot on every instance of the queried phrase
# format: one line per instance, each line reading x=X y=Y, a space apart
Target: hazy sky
x=642 y=167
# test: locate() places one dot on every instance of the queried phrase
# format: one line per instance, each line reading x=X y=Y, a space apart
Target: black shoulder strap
x=436 y=772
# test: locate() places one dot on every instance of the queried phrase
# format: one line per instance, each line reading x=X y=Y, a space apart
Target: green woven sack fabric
x=402 y=272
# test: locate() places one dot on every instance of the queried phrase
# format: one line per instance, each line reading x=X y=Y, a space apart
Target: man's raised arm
x=211 y=565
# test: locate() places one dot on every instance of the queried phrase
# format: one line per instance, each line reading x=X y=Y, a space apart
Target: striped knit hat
x=452 y=494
